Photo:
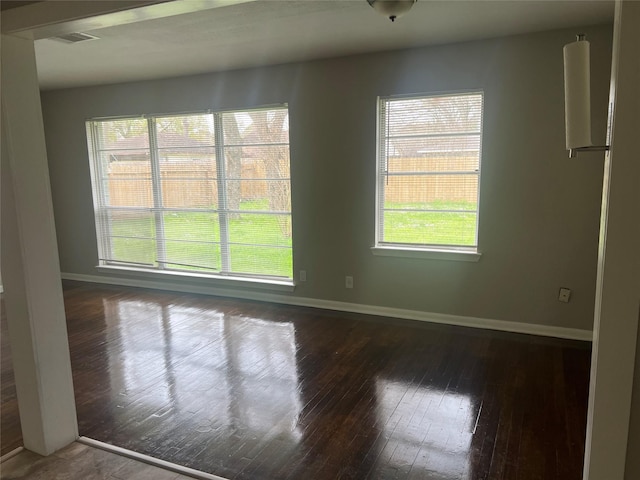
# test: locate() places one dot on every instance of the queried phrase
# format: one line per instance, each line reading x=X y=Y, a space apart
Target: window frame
x=424 y=251
x=159 y=267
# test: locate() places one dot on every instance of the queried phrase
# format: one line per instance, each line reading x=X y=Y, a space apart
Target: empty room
x=358 y=239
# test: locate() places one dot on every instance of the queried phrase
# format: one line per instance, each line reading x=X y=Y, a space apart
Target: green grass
x=431 y=228
x=188 y=241
x=188 y=233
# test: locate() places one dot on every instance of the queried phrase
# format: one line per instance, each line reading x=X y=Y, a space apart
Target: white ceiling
x=267 y=32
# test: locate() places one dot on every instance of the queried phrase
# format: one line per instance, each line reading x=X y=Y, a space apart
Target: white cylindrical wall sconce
x=577 y=97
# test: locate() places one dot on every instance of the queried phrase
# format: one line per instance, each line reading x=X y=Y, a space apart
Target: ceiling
x=9 y=4
x=267 y=32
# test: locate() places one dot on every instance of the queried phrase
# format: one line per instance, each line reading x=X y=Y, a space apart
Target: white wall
x=539 y=210
x=33 y=299
x=618 y=290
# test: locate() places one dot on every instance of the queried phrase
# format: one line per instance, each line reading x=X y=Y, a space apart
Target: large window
x=428 y=172
x=205 y=193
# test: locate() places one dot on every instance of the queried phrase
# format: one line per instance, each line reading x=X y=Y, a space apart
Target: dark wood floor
x=250 y=390
x=10 y=432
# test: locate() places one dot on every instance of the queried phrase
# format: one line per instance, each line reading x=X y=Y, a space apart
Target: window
x=428 y=172
x=204 y=193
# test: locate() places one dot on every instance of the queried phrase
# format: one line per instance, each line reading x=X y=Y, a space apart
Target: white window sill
x=470 y=255
x=216 y=280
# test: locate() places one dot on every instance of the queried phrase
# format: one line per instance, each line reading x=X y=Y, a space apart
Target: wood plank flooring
x=250 y=390
x=82 y=462
x=10 y=431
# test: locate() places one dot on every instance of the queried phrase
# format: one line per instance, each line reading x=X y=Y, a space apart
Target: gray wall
x=539 y=210
x=632 y=468
x=629 y=58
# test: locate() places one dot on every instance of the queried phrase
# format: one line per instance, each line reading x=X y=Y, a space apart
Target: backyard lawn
x=260 y=243
x=456 y=226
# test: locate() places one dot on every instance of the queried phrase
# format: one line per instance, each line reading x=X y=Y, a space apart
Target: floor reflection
x=427 y=432
x=262 y=364
x=253 y=391
x=217 y=373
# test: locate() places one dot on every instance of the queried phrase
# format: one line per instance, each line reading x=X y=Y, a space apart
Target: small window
x=428 y=172
x=205 y=193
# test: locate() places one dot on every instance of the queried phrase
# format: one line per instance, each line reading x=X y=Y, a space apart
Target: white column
x=618 y=287
x=31 y=271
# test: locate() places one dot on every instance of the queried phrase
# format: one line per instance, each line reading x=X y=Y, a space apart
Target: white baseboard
x=11 y=454
x=441 y=318
x=172 y=467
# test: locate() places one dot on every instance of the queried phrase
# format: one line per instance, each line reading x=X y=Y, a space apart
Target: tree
x=269 y=126
x=233 y=159
x=114 y=130
x=431 y=115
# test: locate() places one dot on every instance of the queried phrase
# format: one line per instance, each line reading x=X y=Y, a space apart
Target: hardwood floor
x=250 y=390
x=10 y=431
x=81 y=462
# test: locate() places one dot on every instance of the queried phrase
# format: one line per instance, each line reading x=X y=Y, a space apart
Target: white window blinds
x=428 y=171
x=207 y=193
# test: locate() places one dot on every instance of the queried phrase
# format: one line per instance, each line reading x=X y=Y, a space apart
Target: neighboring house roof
x=166 y=140
x=434 y=145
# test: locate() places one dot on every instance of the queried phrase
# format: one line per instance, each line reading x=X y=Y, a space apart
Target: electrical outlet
x=564 y=295
x=303 y=276
x=348 y=282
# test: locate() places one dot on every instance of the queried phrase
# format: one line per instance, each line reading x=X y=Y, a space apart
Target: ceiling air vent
x=75 y=37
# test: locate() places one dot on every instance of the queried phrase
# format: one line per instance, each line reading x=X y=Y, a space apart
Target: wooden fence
x=193 y=184
x=190 y=184
x=429 y=188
